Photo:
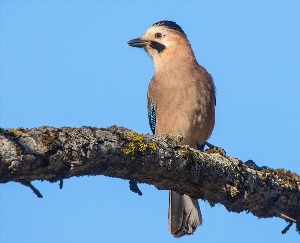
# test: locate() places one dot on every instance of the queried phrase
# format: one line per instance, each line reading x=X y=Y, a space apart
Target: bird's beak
x=137 y=43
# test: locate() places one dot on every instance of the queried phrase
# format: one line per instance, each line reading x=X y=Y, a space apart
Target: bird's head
x=163 y=37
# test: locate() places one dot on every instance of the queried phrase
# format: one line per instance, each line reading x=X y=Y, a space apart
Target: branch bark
x=53 y=154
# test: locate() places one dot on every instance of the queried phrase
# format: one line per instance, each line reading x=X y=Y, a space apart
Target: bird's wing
x=151 y=114
x=215 y=98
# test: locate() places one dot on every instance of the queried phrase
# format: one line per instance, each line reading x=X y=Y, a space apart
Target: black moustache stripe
x=157 y=46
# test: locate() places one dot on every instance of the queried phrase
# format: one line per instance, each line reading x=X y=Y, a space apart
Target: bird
x=180 y=99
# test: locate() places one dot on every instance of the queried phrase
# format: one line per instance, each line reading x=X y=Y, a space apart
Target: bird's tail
x=184 y=214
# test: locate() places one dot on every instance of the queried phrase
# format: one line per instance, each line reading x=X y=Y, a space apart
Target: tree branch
x=52 y=154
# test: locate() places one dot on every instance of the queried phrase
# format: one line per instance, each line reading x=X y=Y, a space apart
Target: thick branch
x=52 y=154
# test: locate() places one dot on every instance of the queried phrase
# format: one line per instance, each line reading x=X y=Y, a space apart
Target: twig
x=61 y=184
x=35 y=191
x=290 y=220
x=134 y=187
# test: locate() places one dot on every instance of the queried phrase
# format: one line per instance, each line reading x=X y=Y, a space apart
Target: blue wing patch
x=152 y=116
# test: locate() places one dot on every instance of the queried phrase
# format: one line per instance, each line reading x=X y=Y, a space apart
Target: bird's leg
x=200 y=146
x=209 y=145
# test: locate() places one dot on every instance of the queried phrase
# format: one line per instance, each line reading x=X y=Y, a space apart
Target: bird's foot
x=251 y=164
x=214 y=149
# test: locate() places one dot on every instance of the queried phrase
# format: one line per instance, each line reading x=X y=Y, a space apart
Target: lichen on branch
x=54 y=154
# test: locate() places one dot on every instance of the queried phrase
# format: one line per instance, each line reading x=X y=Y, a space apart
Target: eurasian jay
x=181 y=99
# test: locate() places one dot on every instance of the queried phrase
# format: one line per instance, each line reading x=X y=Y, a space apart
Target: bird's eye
x=158 y=35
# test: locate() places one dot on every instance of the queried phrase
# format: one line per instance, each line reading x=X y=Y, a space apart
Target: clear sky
x=68 y=64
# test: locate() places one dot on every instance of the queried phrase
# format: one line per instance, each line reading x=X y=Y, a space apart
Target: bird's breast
x=183 y=106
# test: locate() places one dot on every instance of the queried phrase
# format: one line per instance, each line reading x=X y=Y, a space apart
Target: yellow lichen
x=137 y=143
x=129 y=148
x=136 y=137
x=233 y=191
x=14 y=132
x=152 y=146
x=28 y=156
x=141 y=146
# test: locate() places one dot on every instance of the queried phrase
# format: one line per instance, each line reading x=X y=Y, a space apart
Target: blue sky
x=65 y=63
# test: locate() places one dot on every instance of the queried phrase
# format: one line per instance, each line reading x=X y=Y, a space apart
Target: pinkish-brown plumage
x=183 y=95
